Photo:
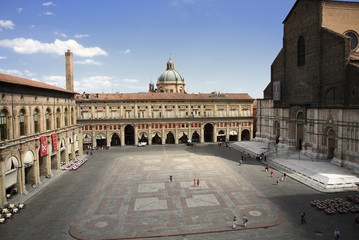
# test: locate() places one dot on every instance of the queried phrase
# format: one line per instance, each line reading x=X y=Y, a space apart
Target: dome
x=170 y=76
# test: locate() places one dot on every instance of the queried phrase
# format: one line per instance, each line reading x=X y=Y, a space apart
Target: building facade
x=312 y=101
x=166 y=115
x=38 y=132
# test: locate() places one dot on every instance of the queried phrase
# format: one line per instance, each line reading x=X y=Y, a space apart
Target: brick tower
x=69 y=71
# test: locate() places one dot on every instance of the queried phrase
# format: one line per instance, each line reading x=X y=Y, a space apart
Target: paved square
x=136 y=199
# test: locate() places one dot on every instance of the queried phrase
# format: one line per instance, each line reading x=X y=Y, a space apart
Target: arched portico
x=156 y=139
x=195 y=137
x=233 y=135
x=245 y=135
x=183 y=138
x=170 y=139
x=115 y=140
x=101 y=140
x=221 y=136
x=143 y=137
x=208 y=132
x=129 y=135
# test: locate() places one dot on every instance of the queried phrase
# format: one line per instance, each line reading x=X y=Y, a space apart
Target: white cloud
x=29 y=74
x=89 y=62
x=31 y=46
x=127 y=51
x=130 y=80
x=48 y=13
x=46 y=4
x=1 y=57
x=81 y=35
x=94 y=84
x=61 y=34
x=55 y=80
x=19 y=10
x=12 y=72
x=8 y=24
x=32 y=26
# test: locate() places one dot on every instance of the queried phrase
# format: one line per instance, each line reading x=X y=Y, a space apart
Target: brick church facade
x=312 y=101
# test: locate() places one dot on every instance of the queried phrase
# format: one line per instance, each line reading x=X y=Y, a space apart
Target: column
x=227 y=132
x=2 y=182
x=149 y=133
x=202 y=133
x=73 y=155
x=122 y=130
x=48 y=159
x=36 y=162
x=81 y=146
x=215 y=132
x=136 y=134
x=163 y=136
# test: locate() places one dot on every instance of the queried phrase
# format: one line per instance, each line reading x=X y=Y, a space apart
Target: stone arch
x=299 y=129
x=245 y=135
x=4 y=124
x=11 y=172
x=183 y=137
x=195 y=137
x=170 y=138
x=23 y=125
x=277 y=132
x=58 y=118
x=156 y=138
x=143 y=137
x=208 y=132
x=37 y=119
x=66 y=117
x=76 y=142
x=115 y=139
x=70 y=141
x=233 y=135
x=30 y=173
x=87 y=140
x=48 y=118
x=221 y=135
x=101 y=139
x=129 y=135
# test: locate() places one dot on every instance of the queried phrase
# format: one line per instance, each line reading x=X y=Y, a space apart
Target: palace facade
x=312 y=101
x=165 y=115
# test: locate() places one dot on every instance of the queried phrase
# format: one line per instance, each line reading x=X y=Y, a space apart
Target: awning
x=11 y=163
x=87 y=138
x=233 y=132
x=181 y=134
x=29 y=159
x=101 y=136
x=154 y=134
x=143 y=134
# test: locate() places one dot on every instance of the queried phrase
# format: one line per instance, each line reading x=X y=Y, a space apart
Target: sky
x=123 y=45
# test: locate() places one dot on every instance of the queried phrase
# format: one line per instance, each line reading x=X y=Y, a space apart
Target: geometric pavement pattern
x=136 y=199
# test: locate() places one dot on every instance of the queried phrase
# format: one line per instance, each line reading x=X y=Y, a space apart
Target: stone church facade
x=312 y=101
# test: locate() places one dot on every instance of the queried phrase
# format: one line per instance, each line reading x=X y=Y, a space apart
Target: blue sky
x=123 y=45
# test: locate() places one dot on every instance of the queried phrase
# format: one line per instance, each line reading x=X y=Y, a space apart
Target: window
x=85 y=115
x=58 y=119
x=354 y=43
x=113 y=114
x=22 y=122
x=66 y=118
x=36 y=121
x=301 y=52
x=3 y=125
x=47 y=116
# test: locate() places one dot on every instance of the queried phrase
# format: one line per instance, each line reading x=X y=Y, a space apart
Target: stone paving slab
x=136 y=199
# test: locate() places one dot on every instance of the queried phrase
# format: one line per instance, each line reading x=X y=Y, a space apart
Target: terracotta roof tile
x=27 y=82
x=164 y=96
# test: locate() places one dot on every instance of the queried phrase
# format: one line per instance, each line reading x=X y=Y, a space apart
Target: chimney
x=69 y=71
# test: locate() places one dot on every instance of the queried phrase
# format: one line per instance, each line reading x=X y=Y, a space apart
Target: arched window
x=66 y=118
x=47 y=116
x=36 y=121
x=22 y=122
x=3 y=125
x=301 y=51
x=58 y=119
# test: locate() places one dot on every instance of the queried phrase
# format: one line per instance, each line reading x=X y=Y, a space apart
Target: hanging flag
x=43 y=146
x=54 y=142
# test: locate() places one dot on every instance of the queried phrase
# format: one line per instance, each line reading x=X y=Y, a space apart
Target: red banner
x=54 y=142
x=43 y=146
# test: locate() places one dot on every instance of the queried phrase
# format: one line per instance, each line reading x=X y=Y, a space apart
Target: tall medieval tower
x=69 y=71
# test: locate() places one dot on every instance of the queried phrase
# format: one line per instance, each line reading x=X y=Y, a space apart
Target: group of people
x=244 y=221
x=196 y=182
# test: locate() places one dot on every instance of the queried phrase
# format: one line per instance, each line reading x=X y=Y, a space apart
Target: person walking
x=271 y=173
x=234 y=222
x=336 y=234
x=267 y=167
x=198 y=182
x=244 y=220
x=194 y=182
x=277 y=180
x=170 y=178
x=302 y=218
